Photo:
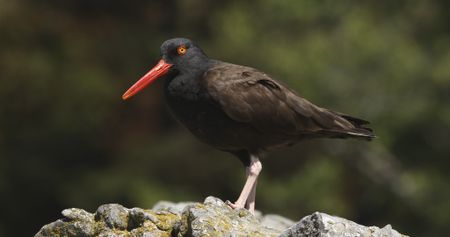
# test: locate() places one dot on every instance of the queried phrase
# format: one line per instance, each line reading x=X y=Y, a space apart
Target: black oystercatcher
x=239 y=109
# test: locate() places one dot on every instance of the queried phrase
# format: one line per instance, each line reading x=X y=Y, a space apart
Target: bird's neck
x=187 y=84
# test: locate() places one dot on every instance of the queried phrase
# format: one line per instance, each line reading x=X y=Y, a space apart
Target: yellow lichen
x=166 y=221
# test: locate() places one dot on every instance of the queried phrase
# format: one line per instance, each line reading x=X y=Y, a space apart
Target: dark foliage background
x=68 y=140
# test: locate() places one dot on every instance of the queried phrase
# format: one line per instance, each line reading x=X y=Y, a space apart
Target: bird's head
x=178 y=55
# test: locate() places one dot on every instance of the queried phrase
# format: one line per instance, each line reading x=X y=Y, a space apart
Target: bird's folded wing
x=249 y=96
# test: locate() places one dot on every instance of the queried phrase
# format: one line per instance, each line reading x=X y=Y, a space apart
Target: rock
x=324 y=225
x=114 y=216
x=176 y=208
x=77 y=214
x=213 y=217
x=276 y=222
x=112 y=220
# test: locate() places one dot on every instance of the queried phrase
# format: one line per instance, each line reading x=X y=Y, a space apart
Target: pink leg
x=250 y=204
x=248 y=193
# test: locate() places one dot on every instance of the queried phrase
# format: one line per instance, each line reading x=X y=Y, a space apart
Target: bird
x=240 y=110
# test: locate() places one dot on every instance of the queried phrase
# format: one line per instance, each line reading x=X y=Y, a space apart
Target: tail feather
x=363 y=133
x=358 y=130
x=356 y=121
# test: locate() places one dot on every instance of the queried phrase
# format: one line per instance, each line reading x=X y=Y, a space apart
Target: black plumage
x=242 y=110
x=236 y=108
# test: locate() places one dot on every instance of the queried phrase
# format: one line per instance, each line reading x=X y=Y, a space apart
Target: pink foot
x=234 y=205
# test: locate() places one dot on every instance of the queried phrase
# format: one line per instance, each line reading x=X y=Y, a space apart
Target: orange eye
x=181 y=50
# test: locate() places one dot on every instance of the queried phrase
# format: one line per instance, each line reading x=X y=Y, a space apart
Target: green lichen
x=243 y=213
x=166 y=220
x=149 y=230
x=117 y=233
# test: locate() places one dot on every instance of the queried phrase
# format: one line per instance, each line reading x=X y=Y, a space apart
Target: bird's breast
x=205 y=118
x=187 y=100
x=183 y=90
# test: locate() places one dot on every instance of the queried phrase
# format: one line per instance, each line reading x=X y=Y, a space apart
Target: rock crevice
x=210 y=218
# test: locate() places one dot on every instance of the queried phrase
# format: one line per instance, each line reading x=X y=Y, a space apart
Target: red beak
x=156 y=72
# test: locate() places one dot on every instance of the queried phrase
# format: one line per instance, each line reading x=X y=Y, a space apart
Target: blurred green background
x=68 y=140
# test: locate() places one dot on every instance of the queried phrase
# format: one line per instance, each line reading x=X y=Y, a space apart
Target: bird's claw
x=233 y=205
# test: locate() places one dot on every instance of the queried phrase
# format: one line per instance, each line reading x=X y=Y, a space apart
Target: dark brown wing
x=247 y=95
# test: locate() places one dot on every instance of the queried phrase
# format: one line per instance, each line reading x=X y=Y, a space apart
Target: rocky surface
x=211 y=218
